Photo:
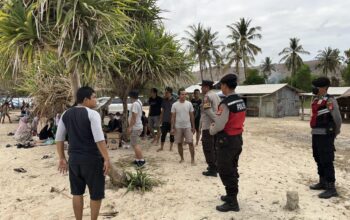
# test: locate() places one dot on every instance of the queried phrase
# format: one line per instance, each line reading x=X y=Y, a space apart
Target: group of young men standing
x=221 y=123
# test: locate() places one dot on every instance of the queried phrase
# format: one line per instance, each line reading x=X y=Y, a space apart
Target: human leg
x=78 y=206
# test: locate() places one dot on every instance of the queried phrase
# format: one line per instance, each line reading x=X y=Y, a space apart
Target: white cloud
x=318 y=23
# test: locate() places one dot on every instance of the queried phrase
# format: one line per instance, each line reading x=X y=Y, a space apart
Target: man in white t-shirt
x=182 y=122
x=135 y=127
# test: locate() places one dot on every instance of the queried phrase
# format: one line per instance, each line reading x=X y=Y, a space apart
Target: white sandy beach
x=276 y=158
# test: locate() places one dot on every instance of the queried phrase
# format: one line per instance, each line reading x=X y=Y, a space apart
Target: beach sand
x=276 y=158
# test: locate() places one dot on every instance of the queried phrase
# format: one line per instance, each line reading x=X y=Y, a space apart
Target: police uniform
x=325 y=124
x=210 y=104
x=228 y=128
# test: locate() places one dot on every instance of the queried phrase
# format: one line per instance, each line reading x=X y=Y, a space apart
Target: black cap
x=321 y=82
x=230 y=80
x=134 y=94
x=207 y=83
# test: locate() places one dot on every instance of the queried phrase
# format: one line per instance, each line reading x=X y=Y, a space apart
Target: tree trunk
x=75 y=81
x=237 y=68
x=117 y=176
x=124 y=97
x=200 y=67
x=210 y=72
x=245 y=68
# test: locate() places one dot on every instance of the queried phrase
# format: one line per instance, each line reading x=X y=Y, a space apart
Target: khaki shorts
x=183 y=133
x=135 y=137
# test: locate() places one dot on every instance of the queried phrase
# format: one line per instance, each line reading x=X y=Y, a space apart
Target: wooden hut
x=344 y=105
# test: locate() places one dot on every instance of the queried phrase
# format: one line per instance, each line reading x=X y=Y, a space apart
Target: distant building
x=266 y=100
x=344 y=105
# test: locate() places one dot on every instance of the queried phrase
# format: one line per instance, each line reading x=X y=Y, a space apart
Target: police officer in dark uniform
x=325 y=124
x=228 y=128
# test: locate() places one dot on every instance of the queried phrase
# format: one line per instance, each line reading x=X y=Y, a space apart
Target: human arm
x=207 y=107
x=96 y=128
x=102 y=147
x=132 y=121
x=60 y=137
x=192 y=123
x=334 y=109
x=220 y=121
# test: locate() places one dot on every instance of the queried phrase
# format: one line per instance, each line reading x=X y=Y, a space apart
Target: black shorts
x=197 y=123
x=90 y=174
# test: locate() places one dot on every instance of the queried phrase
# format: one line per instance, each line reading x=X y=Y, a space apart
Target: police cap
x=230 y=80
x=321 y=82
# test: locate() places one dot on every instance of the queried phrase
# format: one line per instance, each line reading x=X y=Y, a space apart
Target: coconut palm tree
x=267 y=67
x=291 y=55
x=211 y=48
x=195 y=44
x=329 y=60
x=233 y=56
x=347 y=56
x=219 y=63
x=76 y=30
x=242 y=36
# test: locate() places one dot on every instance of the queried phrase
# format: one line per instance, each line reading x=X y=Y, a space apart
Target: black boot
x=231 y=204
x=321 y=185
x=330 y=191
x=224 y=198
x=210 y=173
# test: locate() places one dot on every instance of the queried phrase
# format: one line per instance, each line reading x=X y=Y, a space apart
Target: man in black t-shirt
x=155 y=105
x=88 y=155
x=196 y=102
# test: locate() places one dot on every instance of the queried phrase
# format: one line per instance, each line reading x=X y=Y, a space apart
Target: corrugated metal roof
x=259 y=89
x=192 y=88
x=249 y=89
x=337 y=90
x=346 y=94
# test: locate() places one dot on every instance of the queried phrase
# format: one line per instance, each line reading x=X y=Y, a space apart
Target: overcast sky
x=318 y=23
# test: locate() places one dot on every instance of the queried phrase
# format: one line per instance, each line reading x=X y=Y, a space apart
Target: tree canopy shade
x=242 y=35
x=78 y=31
x=291 y=55
x=329 y=60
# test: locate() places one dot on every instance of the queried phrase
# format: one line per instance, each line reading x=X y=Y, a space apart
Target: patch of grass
x=140 y=181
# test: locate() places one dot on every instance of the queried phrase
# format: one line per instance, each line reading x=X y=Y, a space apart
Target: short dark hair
x=196 y=90
x=230 y=80
x=154 y=90
x=84 y=92
x=169 y=89
x=181 y=90
x=134 y=94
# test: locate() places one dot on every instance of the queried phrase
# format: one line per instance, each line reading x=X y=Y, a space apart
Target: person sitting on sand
x=34 y=125
x=182 y=123
x=47 y=131
x=112 y=124
x=23 y=134
x=5 y=112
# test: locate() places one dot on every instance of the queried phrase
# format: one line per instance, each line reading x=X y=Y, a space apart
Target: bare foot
x=160 y=149
x=181 y=161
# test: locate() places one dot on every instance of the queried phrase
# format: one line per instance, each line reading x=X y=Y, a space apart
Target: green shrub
x=141 y=181
x=253 y=77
